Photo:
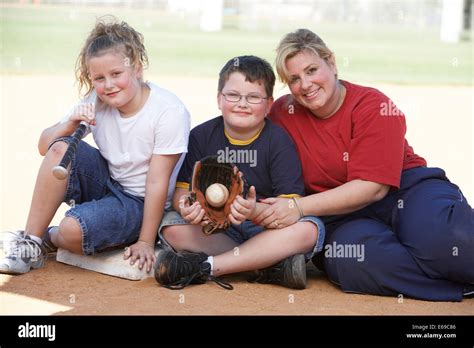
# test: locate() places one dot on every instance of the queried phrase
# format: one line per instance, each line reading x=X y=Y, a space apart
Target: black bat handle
x=60 y=171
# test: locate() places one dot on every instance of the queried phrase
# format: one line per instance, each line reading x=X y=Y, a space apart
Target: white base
x=108 y=262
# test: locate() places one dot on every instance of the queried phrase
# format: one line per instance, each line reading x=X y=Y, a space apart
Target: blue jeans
x=108 y=216
x=418 y=241
x=246 y=230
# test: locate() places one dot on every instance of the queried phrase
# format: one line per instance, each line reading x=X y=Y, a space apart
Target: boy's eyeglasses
x=250 y=98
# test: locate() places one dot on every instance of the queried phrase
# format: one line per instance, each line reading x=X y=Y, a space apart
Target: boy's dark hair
x=253 y=68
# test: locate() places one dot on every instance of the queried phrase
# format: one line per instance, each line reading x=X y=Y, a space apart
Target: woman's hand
x=243 y=209
x=143 y=252
x=281 y=212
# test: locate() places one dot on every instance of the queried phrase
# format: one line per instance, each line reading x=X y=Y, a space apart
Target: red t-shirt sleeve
x=377 y=144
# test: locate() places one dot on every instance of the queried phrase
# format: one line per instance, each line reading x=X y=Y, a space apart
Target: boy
x=267 y=158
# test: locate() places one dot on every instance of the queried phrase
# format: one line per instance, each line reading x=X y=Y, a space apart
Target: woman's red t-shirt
x=364 y=139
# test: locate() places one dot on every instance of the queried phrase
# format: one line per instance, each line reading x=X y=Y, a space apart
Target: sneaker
x=21 y=254
x=468 y=291
x=318 y=261
x=47 y=246
x=8 y=238
x=291 y=272
x=177 y=270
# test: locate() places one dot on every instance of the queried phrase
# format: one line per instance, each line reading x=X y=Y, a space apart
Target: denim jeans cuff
x=170 y=218
x=318 y=247
x=86 y=249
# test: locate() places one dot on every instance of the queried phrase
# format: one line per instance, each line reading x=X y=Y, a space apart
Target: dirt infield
x=440 y=129
x=66 y=290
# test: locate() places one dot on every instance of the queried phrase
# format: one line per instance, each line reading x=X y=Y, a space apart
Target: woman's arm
x=347 y=198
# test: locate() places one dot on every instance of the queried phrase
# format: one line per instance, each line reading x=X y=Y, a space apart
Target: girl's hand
x=143 y=252
x=243 y=209
x=194 y=214
x=281 y=212
x=84 y=112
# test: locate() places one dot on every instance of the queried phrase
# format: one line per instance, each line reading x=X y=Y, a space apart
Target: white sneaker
x=21 y=254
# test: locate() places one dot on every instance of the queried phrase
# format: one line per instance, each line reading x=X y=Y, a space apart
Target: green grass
x=46 y=40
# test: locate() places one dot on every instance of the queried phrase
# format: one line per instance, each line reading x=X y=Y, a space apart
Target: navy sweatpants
x=418 y=242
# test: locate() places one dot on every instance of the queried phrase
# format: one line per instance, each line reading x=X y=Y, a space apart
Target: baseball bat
x=60 y=171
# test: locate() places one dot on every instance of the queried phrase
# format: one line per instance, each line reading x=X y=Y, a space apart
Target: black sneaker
x=177 y=270
x=468 y=291
x=318 y=261
x=291 y=272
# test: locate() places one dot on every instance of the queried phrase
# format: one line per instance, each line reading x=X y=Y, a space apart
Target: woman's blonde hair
x=296 y=42
x=110 y=34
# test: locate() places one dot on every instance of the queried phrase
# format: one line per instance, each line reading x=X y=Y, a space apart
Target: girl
x=117 y=193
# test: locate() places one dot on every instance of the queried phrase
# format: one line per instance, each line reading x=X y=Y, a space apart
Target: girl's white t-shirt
x=161 y=127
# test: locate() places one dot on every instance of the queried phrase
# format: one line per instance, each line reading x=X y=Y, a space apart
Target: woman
x=394 y=226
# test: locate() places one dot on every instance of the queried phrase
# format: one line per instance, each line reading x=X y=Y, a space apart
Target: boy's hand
x=84 y=112
x=143 y=252
x=243 y=209
x=194 y=213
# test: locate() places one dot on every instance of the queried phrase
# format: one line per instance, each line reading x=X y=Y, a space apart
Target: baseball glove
x=209 y=171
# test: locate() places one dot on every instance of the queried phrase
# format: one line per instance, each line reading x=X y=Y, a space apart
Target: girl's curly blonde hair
x=109 y=34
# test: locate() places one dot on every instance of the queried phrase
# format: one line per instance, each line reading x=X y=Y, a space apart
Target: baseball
x=216 y=195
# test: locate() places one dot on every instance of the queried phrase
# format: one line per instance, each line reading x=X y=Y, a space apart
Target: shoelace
x=220 y=282
x=34 y=248
x=183 y=282
x=16 y=234
x=6 y=243
x=190 y=268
